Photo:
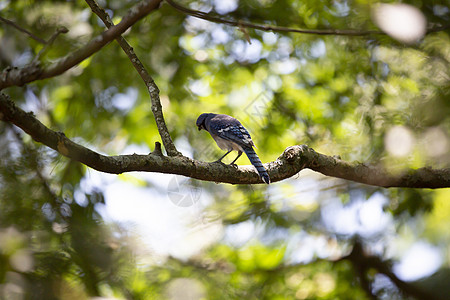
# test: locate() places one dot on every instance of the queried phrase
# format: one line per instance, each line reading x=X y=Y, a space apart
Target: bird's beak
x=199 y=128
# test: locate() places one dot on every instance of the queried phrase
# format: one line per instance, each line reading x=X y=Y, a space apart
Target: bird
x=230 y=135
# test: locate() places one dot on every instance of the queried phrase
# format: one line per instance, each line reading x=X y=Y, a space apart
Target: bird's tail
x=254 y=159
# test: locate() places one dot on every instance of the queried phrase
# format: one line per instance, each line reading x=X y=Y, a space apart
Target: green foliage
x=340 y=95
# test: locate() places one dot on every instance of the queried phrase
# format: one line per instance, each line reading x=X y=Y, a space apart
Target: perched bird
x=230 y=135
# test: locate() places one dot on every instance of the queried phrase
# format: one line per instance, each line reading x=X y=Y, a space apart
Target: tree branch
x=148 y=80
x=365 y=262
x=240 y=24
x=291 y=161
x=32 y=72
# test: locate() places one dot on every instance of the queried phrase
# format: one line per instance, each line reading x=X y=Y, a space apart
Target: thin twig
x=30 y=34
x=148 y=80
x=50 y=41
x=241 y=23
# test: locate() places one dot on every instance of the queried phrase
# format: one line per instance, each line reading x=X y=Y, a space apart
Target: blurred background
x=70 y=232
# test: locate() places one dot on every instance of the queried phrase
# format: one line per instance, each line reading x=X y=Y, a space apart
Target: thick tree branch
x=245 y=24
x=148 y=80
x=32 y=72
x=293 y=160
x=375 y=175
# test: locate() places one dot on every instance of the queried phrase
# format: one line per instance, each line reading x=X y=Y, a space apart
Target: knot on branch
x=291 y=153
x=62 y=29
x=157 y=150
x=295 y=154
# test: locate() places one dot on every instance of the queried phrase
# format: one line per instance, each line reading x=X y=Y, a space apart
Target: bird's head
x=201 y=121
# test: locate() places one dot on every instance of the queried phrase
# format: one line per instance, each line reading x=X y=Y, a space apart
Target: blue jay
x=230 y=135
